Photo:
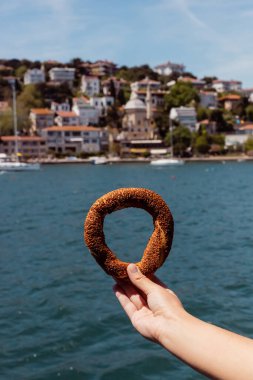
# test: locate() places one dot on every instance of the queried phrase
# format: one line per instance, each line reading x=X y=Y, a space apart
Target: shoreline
x=60 y=161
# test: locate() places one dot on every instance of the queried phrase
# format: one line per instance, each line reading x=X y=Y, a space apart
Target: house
x=208 y=99
x=66 y=118
x=28 y=146
x=64 y=106
x=230 y=101
x=34 y=76
x=185 y=116
x=248 y=93
x=101 y=103
x=118 y=84
x=87 y=113
x=226 y=85
x=62 y=74
x=90 y=85
x=101 y=68
x=144 y=83
x=157 y=98
x=169 y=68
x=197 y=83
x=41 y=118
x=76 y=139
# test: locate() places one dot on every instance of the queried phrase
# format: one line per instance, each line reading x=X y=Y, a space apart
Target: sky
x=210 y=37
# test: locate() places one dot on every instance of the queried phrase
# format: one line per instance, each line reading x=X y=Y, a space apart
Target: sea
x=59 y=318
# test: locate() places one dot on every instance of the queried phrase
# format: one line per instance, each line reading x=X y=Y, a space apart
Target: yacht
x=167 y=161
x=7 y=165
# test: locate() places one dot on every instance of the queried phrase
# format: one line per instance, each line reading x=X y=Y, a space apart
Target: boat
x=167 y=161
x=6 y=163
x=99 y=160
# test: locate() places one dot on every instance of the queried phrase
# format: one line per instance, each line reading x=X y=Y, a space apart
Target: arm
x=158 y=315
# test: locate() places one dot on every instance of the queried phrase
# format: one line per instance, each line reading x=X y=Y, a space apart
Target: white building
x=66 y=118
x=102 y=103
x=76 y=139
x=169 y=68
x=208 y=99
x=88 y=114
x=226 y=85
x=90 y=85
x=154 y=85
x=64 y=106
x=62 y=74
x=34 y=76
x=185 y=116
x=41 y=118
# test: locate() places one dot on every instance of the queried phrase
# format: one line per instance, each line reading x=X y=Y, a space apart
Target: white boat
x=99 y=160
x=167 y=161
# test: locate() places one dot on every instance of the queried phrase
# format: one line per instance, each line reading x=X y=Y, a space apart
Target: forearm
x=217 y=353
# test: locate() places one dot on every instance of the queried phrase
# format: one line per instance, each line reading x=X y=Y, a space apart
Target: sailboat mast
x=171 y=137
x=14 y=110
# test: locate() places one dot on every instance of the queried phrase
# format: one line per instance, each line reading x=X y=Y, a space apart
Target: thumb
x=140 y=280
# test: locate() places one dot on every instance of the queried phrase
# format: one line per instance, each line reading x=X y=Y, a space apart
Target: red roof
x=230 y=97
x=66 y=114
x=42 y=111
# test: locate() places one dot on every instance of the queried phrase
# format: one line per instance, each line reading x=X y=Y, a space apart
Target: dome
x=135 y=103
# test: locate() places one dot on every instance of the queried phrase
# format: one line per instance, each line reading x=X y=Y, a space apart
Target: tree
x=249 y=112
x=29 y=98
x=202 y=113
x=182 y=138
x=6 y=123
x=248 y=146
x=181 y=94
x=202 y=145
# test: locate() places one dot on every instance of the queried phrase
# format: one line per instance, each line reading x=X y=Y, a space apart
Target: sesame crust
x=159 y=243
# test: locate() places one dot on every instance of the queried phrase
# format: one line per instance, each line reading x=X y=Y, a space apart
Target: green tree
x=201 y=145
x=182 y=138
x=29 y=98
x=202 y=113
x=249 y=112
x=6 y=123
x=248 y=146
x=181 y=94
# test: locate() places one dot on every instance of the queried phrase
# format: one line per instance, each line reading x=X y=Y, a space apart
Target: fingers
x=139 y=280
x=125 y=302
x=132 y=293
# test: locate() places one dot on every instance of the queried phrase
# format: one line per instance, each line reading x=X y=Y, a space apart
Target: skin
x=157 y=314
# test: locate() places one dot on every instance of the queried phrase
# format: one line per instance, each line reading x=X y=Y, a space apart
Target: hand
x=148 y=303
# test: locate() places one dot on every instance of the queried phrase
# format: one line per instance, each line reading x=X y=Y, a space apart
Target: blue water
x=58 y=315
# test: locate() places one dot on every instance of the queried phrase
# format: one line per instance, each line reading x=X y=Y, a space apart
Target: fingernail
x=133 y=268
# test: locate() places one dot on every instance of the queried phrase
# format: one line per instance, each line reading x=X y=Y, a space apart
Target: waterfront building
x=185 y=116
x=27 y=146
x=34 y=76
x=101 y=103
x=62 y=74
x=66 y=118
x=87 y=113
x=226 y=85
x=90 y=85
x=169 y=68
x=41 y=118
x=144 y=83
x=76 y=139
x=208 y=99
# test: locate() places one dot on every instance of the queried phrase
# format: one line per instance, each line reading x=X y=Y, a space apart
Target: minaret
x=149 y=110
